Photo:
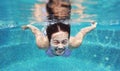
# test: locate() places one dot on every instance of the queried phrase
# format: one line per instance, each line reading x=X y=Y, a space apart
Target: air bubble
x=95 y=55
x=106 y=58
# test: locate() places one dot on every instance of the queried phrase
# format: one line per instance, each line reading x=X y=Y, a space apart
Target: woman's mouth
x=59 y=51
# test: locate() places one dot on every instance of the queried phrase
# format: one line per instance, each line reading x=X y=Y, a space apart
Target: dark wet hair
x=51 y=13
x=53 y=28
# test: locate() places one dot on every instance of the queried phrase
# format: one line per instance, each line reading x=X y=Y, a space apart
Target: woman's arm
x=41 y=40
x=77 y=40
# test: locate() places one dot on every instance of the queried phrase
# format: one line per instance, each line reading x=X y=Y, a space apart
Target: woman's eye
x=64 y=42
x=56 y=42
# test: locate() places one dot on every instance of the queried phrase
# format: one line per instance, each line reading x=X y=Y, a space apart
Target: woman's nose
x=60 y=46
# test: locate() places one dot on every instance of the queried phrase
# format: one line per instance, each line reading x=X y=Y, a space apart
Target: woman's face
x=59 y=42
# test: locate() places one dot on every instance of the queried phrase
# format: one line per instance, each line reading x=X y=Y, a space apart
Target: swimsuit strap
x=67 y=52
x=49 y=52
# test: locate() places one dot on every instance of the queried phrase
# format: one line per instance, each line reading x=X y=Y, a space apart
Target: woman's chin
x=59 y=52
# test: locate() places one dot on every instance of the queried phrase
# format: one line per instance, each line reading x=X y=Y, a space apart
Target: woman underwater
x=58 y=41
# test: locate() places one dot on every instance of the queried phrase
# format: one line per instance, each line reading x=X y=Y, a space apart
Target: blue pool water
x=100 y=50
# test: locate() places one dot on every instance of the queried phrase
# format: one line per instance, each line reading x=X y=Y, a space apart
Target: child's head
x=57 y=27
x=58 y=35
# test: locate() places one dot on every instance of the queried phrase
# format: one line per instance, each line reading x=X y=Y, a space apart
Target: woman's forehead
x=60 y=34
